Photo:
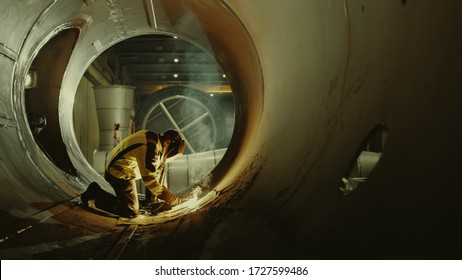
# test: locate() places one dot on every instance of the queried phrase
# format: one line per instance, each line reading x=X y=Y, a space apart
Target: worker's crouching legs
x=127 y=204
x=97 y=198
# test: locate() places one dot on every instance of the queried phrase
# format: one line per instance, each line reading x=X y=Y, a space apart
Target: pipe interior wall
x=31 y=182
x=312 y=78
x=16 y=17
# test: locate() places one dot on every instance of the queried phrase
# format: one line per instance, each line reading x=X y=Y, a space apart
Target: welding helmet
x=175 y=144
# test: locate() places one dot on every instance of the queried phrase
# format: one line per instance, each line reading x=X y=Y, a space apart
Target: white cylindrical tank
x=114 y=105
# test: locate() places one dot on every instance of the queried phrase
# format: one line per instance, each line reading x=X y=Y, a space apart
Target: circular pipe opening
x=210 y=25
x=198 y=103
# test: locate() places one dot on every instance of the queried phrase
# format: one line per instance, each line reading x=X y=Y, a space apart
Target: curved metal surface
x=332 y=70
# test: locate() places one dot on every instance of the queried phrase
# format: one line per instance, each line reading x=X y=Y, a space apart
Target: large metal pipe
x=311 y=79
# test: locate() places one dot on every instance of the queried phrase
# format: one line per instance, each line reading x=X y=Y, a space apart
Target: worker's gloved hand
x=171 y=198
x=177 y=200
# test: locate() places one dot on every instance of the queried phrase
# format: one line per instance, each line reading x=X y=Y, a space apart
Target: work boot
x=91 y=193
x=98 y=199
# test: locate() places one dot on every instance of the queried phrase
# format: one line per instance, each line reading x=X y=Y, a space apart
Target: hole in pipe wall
x=42 y=96
x=365 y=159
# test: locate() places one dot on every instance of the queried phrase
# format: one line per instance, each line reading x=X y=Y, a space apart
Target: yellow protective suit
x=141 y=155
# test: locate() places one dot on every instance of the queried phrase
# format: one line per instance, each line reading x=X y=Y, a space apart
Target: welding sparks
x=193 y=200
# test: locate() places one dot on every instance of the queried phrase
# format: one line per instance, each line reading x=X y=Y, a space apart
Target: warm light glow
x=176 y=60
x=191 y=205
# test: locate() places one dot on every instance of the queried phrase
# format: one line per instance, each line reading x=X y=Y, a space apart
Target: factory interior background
x=314 y=129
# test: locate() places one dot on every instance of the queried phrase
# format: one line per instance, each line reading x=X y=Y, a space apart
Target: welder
x=142 y=155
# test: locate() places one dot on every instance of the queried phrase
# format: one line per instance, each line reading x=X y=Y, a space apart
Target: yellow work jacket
x=139 y=156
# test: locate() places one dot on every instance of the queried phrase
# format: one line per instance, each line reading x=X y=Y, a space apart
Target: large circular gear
x=188 y=110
